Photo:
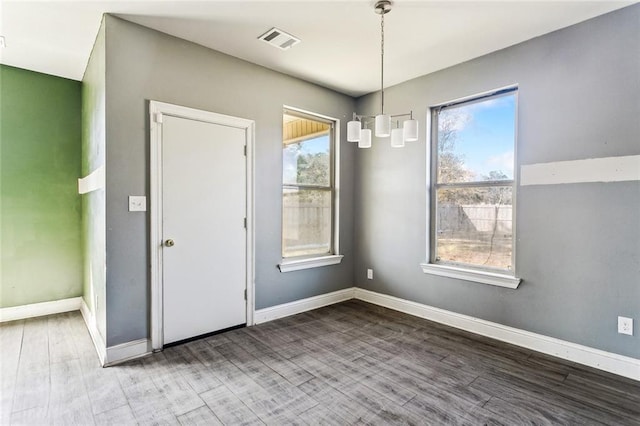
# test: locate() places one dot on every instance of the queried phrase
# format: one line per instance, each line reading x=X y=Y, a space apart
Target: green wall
x=40 y=160
x=94 y=202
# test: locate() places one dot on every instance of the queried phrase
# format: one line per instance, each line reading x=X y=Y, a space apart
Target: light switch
x=137 y=203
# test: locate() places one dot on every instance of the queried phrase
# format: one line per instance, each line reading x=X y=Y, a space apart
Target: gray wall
x=144 y=64
x=578 y=245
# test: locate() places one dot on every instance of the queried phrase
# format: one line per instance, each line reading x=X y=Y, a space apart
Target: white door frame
x=156 y=111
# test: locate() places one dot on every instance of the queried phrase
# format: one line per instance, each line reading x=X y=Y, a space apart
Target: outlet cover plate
x=137 y=203
x=625 y=325
x=369 y=274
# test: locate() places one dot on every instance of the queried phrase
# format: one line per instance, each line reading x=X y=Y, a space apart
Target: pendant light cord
x=382 y=58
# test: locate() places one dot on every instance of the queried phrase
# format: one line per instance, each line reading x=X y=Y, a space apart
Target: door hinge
x=245 y=150
x=245 y=223
x=245 y=294
x=158 y=117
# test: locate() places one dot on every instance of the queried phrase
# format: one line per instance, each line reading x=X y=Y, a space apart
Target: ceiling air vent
x=279 y=39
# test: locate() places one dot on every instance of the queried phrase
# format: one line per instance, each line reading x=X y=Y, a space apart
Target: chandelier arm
x=403 y=115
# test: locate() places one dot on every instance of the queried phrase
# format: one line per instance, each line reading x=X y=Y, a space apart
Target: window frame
x=296 y=263
x=459 y=270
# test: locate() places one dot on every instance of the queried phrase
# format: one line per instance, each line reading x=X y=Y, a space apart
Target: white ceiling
x=340 y=46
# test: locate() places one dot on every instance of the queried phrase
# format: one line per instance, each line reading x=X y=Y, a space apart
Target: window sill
x=482 y=277
x=313 y=262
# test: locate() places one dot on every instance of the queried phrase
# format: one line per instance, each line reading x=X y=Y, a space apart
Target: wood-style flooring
x=349 y=363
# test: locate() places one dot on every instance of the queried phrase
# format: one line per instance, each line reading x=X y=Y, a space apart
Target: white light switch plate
x=137 y=203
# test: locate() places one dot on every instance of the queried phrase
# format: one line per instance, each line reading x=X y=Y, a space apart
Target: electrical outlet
x=369 y=274
x=625 y=325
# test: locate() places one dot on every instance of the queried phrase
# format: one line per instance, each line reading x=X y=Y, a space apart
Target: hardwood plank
x=373 y=347
x=61 y=348
x=32 y=387
x=313 y=328
x=170 y=383
x=596 y=384
x=321 y=415
x=343 y=366
x=148 y=404
x=389 y=388
x=479 y=416
x=349 y=363
x=196 y=374
x=103 y=389
x=482 y=364
x=229 y=408
x=69 y=403
x=11 y=344
x=250 y=344
x=31 y=391
x=117 y=416
x=385 y=410
x=336 y=343
x=284 y=395
x=430 y=388
x=504 y=386
x=30 y=416
x=287 y=369
x=335 y=402
x=268 y=408
x=199 y=416
x=255 y=370
x=323 y=371
x=527 y=411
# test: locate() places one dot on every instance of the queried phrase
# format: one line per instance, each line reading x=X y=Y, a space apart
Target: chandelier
x=385 y=124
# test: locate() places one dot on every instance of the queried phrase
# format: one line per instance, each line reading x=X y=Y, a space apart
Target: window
x=472 y=191
x=309 y=228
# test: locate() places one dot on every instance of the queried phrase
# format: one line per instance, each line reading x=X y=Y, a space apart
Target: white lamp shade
x=365 y=139
x=383 y=125
x=353 y=131
x=397 y=138
x=410 y=128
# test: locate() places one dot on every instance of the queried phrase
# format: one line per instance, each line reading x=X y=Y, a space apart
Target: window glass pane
x=306 y=151
x=306 y=222
x=474 y=226
x=476 y=141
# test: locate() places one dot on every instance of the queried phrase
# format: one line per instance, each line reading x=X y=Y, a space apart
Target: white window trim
x=468 y=273
x=291 y=264
x=473 y=275
x=297 y=264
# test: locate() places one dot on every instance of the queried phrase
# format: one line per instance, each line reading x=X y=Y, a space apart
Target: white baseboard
x=607 y=361
x=127 y=351
x=113 y=354
x=39 y=309
x=303 y=305
x=98 y=341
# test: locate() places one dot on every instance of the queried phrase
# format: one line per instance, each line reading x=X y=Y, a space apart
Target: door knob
x=169 y=243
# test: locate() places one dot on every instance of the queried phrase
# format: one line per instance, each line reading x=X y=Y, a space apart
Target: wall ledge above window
x=482 y=277
x=290 y=265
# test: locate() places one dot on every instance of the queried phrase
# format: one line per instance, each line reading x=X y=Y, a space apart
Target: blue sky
x=290 y=155
x=486 y=135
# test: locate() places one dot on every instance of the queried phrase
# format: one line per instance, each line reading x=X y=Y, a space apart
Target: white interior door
x=203 y=230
